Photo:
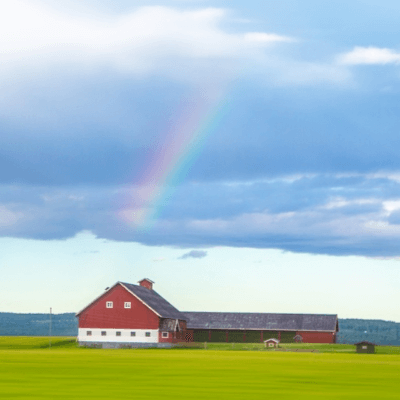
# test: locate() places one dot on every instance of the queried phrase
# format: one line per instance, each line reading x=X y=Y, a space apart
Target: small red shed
x=271 y=343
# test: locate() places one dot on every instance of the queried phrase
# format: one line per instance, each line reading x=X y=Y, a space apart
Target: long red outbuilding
x=128 y=315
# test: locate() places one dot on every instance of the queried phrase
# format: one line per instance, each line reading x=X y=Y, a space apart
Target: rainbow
x=172 y=159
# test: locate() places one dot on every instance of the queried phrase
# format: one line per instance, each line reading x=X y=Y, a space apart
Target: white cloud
x=262 y=37
x=393 y=176
x=306 y=224
x=391 y=206
x=370 y=56
x=135 y=41
x=340 y=202
x=182 y=44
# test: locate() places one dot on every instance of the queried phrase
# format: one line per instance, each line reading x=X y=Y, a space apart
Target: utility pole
x=50 y=330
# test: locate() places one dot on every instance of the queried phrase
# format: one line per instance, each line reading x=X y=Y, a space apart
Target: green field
x=31 y=370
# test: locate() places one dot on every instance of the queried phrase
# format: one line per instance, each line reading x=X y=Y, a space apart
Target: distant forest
x=38 y=324
x=373 y=330
x=350 y=330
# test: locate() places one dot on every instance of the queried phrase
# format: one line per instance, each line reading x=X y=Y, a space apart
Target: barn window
x=103 y=333
x=165 y=334
x=109 y=304
x=88 y=333
x=133 y=333
x=118 y=333
x=127 y=304
x=148 y=334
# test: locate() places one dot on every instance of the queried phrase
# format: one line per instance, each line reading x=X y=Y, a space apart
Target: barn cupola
x=147 y=283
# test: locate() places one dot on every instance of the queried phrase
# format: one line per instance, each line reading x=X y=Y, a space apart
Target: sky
x=242 y=155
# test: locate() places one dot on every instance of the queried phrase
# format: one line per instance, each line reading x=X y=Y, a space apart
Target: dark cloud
x=109 y=136
x=324 y=214
x=194 y=254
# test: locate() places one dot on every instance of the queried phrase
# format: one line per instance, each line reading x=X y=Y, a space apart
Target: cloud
x=194 y=254
x=325 y=214
x=8 y=217
x=90 y=104
x=106 y=133
x=187 y=45
x=370 y=56
x=137 y=42
x=263 y=37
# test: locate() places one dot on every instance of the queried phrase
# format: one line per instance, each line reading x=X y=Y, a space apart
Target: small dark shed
x=365 y=347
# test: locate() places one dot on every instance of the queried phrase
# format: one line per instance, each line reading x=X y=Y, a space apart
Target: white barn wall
x=112 y=335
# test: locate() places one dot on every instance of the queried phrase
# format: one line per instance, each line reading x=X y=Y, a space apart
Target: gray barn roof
x=262 y=321
x=155 y=301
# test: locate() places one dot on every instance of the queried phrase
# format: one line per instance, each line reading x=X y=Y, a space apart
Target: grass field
x=30 y=370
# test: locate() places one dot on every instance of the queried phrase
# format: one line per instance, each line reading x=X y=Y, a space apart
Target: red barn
x=132 y=316
x=129 y=315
